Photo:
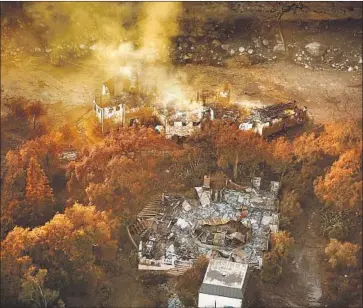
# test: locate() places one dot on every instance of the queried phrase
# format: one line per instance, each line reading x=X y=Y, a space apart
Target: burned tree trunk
x=279 y=27
x=33 y=122
x=284 y=10
x=235 y=166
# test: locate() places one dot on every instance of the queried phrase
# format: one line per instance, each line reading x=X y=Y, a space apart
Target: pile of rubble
x=274 y=118
x=225 y=223
x=184 y=123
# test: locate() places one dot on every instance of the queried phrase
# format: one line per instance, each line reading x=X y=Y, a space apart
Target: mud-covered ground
x=257 y=71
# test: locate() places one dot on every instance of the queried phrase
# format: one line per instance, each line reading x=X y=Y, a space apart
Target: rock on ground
x=279 y=48
x=315 y=49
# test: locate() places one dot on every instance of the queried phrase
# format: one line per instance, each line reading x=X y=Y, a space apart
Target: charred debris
x=125 y=101
x=221 y=222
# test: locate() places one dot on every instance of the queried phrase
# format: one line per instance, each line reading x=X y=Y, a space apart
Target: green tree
x=34 y=292
x=271 y=270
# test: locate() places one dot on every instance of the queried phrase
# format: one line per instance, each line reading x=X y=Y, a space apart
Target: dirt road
x=301 y=284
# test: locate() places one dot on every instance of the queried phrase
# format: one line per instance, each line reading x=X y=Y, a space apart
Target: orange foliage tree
x=340 y=136
x=306 y=148
x=341 y=254
x=342 y=185
x=236 y=147
x=290 y=206
x=197 y=158
x=124 y=171
x=65 y=247
x=282 y=243
x=14 y=205
x=281 y=154
x=38 y=195
x=69 y=135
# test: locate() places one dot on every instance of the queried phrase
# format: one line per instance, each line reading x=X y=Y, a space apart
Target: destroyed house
x=185 y=122
x=223 y=284
x=125 y=102
x=272 y=119
x=232 y=224
x=120 y=100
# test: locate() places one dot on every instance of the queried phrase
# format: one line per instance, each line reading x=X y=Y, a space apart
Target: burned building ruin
x=272 y=119
x=232 y=224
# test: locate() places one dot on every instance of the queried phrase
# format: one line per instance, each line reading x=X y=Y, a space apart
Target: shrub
x=282 y=244
x=271 y=271
x=290 y=204
x=341 y=254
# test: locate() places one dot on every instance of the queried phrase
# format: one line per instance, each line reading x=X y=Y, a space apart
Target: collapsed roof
x=268 y=113
x=236 y=226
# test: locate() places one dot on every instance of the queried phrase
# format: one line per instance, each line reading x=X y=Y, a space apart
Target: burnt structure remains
x=124 y=101
x=219 y=223
x=275 y=118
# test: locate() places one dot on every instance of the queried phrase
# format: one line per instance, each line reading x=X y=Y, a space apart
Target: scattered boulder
x=241 y=49
x=48 y=50
x=82 y=46
x=232 y=52
x=250 y=51
x=225 y=46
x=350 y=69
x=279 y=48
x=360 y=61
x=315 y=49
x=93 y=47
x=37 y=49
x=265 y=42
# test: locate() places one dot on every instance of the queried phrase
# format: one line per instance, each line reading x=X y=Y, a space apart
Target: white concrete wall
x=116 y=115
x=212 y=301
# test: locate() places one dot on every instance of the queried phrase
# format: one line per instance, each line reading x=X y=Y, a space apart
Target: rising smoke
x=127 y=35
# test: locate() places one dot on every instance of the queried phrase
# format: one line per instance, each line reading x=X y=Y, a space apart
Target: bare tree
x=278 y=10
x=34 y=110
x=339 y=107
